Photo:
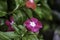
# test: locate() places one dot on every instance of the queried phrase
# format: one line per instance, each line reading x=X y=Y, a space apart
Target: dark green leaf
x=2 y=13
x=46 y=26
x=3 y=6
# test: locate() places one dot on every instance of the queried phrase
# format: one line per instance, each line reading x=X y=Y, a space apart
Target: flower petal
x=34 y=20
x=7 y=22
x=35 y=30
x=9 y=25
x=39 y=24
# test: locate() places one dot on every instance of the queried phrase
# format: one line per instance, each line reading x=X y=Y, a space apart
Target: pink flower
x=30 y=4
x=9 y=23
x=33 y=24
x=11 y=18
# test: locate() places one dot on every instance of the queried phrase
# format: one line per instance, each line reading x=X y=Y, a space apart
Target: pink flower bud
x=30 y=4
x=9 y=24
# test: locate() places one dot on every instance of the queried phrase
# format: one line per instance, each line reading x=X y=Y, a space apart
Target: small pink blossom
x=33 y=24
x=9 y=23
x=30 y=4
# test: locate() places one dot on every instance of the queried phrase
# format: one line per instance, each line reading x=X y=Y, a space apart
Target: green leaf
x=39 y=12
x=22 y=28
x=46 y=27
x=28 y=12
x=43 y=1
x=40 y=37
x=2 y=21
x=11 y=34
x=20 y=3
x=46 y=10
x=4 y=37
x=3 y=6
x=2 y=13
x=18 y=30
x=15 y=28
x=17 y=38
x=36 y=1
x=47 y=13
x=19 y=17
x=30 y=37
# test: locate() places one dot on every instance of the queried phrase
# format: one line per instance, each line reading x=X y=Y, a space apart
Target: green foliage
x=19 y=16
x=30 y=37
x=3 y=8
x=20 y=13
x=2 y=13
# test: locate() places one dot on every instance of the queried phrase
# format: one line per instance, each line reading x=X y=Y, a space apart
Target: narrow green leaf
x=22 y=27
x=3 y=36
x=28 y=12
x=16 y=29
x=39 y=12
x=30 y=37
x=2 y=13
x=11 y=34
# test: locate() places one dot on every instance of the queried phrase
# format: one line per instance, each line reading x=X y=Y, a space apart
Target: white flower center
x=32 y=24
x=31 y=1
x=12 y=22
